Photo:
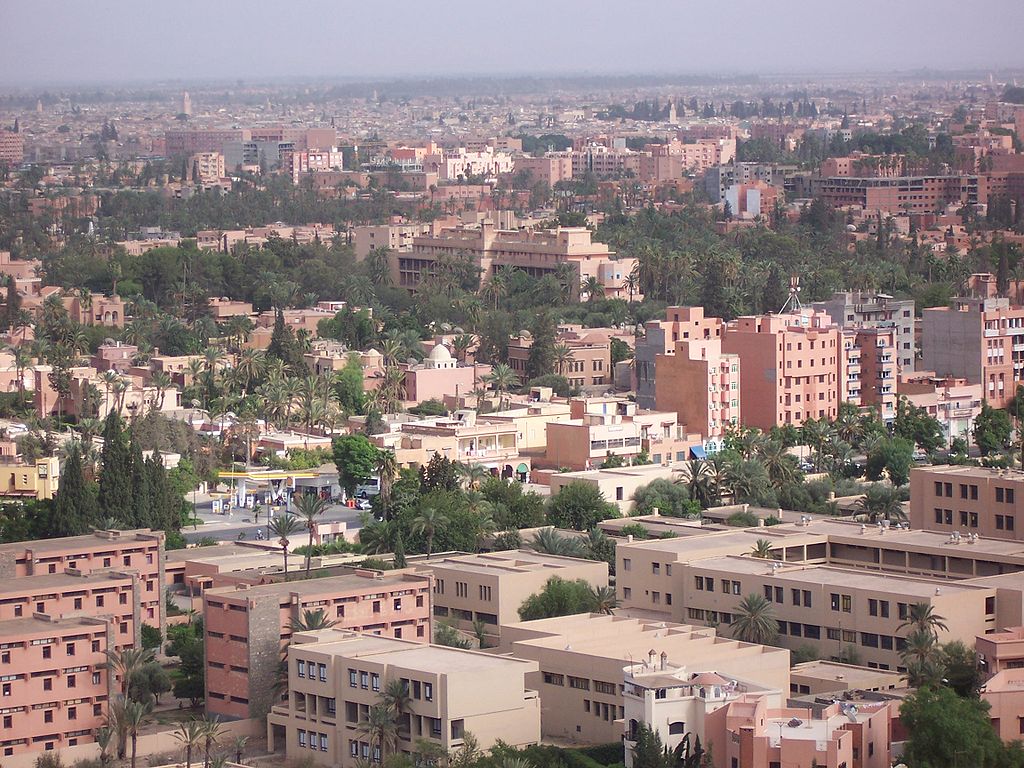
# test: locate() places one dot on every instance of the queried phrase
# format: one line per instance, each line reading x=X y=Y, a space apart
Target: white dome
x=440 y=354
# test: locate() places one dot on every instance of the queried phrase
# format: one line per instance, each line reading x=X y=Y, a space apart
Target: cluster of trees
x=131 y=492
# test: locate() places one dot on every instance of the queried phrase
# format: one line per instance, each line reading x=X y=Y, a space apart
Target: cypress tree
x=399 y=558
x=142 y=493
x=74 y=511
x=166 y=510
x=283 y=345
x=115 y=498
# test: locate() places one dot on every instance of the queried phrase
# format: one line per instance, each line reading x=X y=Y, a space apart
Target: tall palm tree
x=104 y=736
x=379 y=729
x=311 y=621
x=881 y=502
x=284 y=526
x=762 y=549
x=190 y=735
x=387 y=471
x=548 y=541
x=309 y=508
x=22 y=361
x=562 y=355
x=377 y=538
x=251 y=366
x=922 y=616
x=161 y=382
x=501 y=378
x=754 y=621
x=427 y=523
x=604 y=599
x=396 y=697
x=126 y=662
x=110 y=380
x=135 y=714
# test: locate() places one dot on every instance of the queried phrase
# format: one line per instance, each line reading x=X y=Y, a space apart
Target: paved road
x=228 y=527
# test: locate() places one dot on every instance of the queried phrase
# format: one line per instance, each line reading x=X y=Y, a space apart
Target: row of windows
x=315 y=740
x=777 y=594
x=317 y=670
x=47 y=650
x=729 y=586
x=1003 y=495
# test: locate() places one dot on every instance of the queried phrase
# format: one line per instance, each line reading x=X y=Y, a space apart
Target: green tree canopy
x=356 y=459
x=579 y=506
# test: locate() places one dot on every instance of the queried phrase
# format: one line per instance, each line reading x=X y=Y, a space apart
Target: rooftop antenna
x=793 y=302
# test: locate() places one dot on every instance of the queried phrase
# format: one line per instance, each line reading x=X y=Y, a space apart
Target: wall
x=161 y=743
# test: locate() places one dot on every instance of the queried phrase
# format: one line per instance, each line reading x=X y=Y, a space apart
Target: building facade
x=335 y=677
x=247 y=628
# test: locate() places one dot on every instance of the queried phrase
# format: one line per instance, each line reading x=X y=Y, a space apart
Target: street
x=221 y=527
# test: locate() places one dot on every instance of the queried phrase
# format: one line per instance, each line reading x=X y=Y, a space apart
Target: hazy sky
x=121 y=40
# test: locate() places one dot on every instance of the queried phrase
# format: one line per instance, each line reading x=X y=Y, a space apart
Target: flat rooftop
x=834 y=576
x=56 y=581
x=43 y=624
x=507 y=562
x=968 y=471
x=845 y=675
x=350 y=582
x=404 y=653
x=88 y=540
x=626 y=638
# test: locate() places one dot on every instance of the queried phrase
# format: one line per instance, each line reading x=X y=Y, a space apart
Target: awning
x=698 y=452
x=522 y=469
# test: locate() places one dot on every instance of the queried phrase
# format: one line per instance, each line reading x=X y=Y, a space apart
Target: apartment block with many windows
x=334 y=677
x=54 y=681
x=141 y=551
x=968 y=501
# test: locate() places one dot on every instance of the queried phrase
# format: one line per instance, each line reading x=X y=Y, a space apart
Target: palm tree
x=427 y=522
x=379 y=729
x=815 y=433
x=161 y=382
x=284 y=526
x=239 y=747
x=698 y=478
x=110 y=380
x=378 y=537
x=22 y=360
x=762 y=549
x=395 y=696
x=461 y=345
x=548 y=541
x=603 y=599
x=922 y=617
x=632 y=282
x=387 y=470
x=754 y=621
x=309 y=507
x=135 y=714
x=781 y=467
x=126 y=662
x=562 y=355
x=501 y=378
x=311 y=621
x=881 y=502
x=104 y=735
x=472 y=474
x=190 y=734
x=592 y=287
x=212 y=734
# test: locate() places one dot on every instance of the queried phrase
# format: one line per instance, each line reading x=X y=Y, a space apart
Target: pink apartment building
x=55 y=681
x=140 y=551
x=248 y=628
x=980 y=340
x=750 y=733
x=793 y=367
x=440 y=374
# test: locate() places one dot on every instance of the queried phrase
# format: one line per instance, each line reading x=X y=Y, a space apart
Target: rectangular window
x=352 y=678
x=835 y=601
x=807 y=598
x=847 y=604
x=428 y=691
x=300 y=668
x=322 y=669
x=579 y=683
x=552 y=679
x=302 y=738
x=375 y=682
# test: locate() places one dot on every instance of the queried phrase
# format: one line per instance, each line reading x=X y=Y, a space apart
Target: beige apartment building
x=490 y=587
x=536 y=252
x=968 y=501
x=334 y=677
x=582 y=659
x=834 y=585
